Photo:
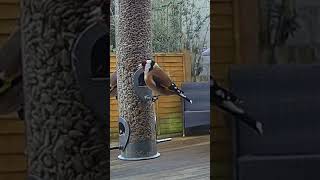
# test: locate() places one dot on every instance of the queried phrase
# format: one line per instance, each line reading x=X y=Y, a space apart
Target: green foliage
x=177 y=25
x=167 y=26
x=113 y=26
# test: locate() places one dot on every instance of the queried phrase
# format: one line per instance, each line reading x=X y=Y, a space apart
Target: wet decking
x=181 y=158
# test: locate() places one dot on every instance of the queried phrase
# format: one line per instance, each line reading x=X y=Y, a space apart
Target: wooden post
x=187 y=66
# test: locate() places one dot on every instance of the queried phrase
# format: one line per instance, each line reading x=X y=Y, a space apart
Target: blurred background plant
x=178 y=26
x=281 y=22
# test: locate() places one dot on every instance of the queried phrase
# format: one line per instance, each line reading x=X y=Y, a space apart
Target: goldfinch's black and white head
x=147 y=65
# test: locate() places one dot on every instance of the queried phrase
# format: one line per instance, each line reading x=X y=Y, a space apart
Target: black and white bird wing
x=228 y=102
x=221 y=99
x=241 y=114
x=165 y=85
x=222 y=93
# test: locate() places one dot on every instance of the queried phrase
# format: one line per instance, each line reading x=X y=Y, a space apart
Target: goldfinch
x=159 y=82
x=228 y=102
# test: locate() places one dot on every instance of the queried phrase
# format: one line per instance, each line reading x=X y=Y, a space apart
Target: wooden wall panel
x=222 y=7
x=224 y=53
x=7 y=26
x=13 y=176
x=9 y=18
x=9 y=2
x=12 y=145
x=13 y=164
x=9 y=11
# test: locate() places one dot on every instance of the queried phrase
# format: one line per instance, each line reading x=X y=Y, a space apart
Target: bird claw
x=147 y=97
x=153 y=98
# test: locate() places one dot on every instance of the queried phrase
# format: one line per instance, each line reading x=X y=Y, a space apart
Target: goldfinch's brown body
x=159 y=82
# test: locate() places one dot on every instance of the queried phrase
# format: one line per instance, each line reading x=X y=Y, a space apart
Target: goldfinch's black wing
x=221 y=94
x=162 y=80
x=228 y=102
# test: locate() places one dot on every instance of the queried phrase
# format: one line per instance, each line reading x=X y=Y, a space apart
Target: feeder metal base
x=138 y=159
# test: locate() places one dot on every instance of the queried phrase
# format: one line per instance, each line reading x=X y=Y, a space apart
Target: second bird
x=113 y=85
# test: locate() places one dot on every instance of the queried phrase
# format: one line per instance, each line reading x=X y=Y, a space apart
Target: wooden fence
x=168 y=109
x=12 y=138
x=224 y=52
x=9 y=18
x=12 y=145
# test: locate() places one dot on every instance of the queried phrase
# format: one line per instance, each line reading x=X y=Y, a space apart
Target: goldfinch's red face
x=143 y=64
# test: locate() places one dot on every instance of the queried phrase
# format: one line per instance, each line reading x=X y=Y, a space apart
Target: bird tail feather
x=179 y=92
x=255 y=125
x=185 y=97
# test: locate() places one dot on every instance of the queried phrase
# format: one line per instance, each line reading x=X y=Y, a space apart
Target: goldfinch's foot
x=147 y=97
x=155 y=98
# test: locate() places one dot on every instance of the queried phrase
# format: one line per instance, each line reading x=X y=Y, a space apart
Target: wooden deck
x=181 y=158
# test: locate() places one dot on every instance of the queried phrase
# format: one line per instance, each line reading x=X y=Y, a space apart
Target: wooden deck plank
x=13 y=176
x=181 y=158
